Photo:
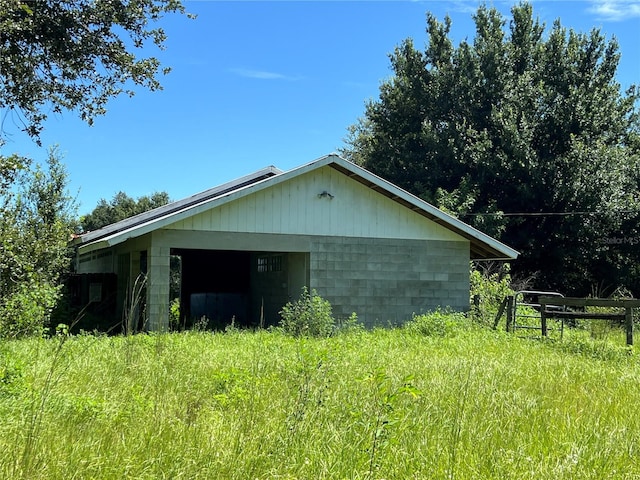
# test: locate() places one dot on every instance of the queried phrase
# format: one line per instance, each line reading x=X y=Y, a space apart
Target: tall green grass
x=403 y=404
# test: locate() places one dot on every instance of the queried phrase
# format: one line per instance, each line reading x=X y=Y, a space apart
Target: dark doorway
x=215 y=284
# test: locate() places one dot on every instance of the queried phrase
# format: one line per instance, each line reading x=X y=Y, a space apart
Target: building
x=243 y=249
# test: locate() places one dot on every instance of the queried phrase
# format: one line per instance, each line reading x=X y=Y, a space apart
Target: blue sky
x=268 y=83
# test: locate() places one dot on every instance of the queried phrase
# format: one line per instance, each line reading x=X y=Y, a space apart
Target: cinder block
x=409 y=275
x=334 y=256
x=458 y=277
x=324 y=282
x=381 y=275
x=321 y=273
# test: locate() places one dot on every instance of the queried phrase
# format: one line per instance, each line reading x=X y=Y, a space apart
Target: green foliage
x=349 y=325
x=490 y=288
x=11 y=375
x=75 y=55
x=376 y=404
x=27 y=309
x=38 y=218
x=309 y=316
x=120 y=207
x=520 y=119
x=598 y=343
x=441 y=323
x=174 y=314
x=386 y=416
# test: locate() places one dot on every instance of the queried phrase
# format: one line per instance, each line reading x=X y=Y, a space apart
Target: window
x=270 y=263
x=262 y=264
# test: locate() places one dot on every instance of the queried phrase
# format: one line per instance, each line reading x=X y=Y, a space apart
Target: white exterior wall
x=98 y=261
x=294 y=207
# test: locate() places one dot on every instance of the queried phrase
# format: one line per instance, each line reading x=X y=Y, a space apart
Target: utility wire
x=544 y=214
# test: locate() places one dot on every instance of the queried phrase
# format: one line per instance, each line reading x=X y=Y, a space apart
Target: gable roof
x=482 y=246
x=180 y=205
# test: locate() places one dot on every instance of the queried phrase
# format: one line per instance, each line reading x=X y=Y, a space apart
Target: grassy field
x=465 y=403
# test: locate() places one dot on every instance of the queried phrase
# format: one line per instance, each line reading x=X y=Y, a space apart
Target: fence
x=554 y=305
x=623 y=304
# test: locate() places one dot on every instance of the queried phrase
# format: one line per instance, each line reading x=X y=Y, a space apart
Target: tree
x=58 y=55
x=36 y=222
x=120 y=207
x=527 y=138
x=75 y=55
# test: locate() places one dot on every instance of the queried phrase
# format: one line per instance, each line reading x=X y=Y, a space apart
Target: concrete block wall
x=386 y=281
x=158 y=259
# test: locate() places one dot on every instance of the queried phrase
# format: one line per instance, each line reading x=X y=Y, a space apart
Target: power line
x=545 y=214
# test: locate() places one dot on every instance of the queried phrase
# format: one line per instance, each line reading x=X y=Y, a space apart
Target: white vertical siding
x=294 y=207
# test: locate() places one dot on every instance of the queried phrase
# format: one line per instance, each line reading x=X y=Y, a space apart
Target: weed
x=386 y=414
x=349 y=325
x=377 y=404
x=134 y=306
x=309 y=316
x=36 y=409
x=11 y=374
x=457 y=424
x=202 y=324
x=440 y=323
x=309 y=380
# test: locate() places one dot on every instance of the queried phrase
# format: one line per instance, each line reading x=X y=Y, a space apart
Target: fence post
x=503 y=305
x=510 y=312
x=543 y=319
x=628 y=317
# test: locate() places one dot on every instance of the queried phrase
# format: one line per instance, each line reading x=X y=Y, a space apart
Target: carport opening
x=220 y=287
x=213 y=284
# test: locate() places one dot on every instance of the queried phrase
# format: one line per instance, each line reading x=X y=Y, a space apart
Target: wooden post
x=510 y=313
x=628 y=317
x=543 y=319
x=503 y=305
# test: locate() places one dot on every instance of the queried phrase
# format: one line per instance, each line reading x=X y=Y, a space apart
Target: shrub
x=441 y=323
x=28 y=310
x=310 y=315
x=491 y=289
x=37 y=216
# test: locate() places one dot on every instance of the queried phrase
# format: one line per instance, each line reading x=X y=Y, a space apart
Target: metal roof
x=482 y=246
x=179 y=205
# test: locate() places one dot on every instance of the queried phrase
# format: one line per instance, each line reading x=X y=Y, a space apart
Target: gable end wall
x=298 y=207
